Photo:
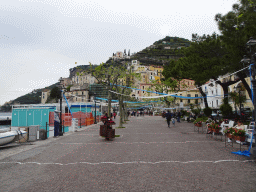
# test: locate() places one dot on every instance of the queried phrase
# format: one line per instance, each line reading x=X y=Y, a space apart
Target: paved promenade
x=148 y=156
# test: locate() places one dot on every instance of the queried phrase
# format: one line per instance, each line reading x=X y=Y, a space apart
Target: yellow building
x=233 y=88
x=158 y=70
x=188 y=89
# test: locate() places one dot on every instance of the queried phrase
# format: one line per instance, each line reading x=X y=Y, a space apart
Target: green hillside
x=162 y=51
x=30 y=98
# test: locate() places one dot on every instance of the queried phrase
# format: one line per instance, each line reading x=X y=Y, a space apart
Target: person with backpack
x=168 y=116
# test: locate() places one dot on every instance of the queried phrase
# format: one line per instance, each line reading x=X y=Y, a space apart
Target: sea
x=5 y=114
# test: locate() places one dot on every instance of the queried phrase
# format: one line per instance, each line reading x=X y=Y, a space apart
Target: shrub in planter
x=207 y=111
x=226 y=108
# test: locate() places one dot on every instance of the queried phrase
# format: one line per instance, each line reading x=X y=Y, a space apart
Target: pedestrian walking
x=114 y=115
x=178 y=117
x=173 y=121
x=168 y=118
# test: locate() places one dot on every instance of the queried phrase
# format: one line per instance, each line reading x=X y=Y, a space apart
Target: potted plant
x=209 y=127
x=104 y=118
x=216 y=127
x=110 y=122
x=199 y=124
x=229 y=132
x=239 y=135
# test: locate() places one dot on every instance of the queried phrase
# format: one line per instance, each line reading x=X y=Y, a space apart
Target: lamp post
x=251 y=61
x=95 y=122
x=60 y=128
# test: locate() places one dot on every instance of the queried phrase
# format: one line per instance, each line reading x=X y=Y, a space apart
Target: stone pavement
x=148 y=156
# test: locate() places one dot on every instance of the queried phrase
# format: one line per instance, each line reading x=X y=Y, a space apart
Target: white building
x=214 y=94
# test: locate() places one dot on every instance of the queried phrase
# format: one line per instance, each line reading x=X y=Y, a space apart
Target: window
x=217 y=103
x=180 y=100
x=142 y=87
x=189 y=95
x=143 y=91
x=196 y=95
x=188 y=100
x=82 y=93
x=196 y=101
x=43 y=96
x=138 y=92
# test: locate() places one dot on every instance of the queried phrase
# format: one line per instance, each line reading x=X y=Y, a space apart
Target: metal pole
x=46 y=131
x=60 y=128
x=254 y=93
x=240 y=103
x=95 y=122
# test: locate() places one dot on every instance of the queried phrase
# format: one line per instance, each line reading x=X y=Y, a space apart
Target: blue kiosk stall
x=28 y=115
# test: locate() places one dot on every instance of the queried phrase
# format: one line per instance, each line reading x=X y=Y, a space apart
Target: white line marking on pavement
x=141 y=133
x=137 y=143
x=132 y=162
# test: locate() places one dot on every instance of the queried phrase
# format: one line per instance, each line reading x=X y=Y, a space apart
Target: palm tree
x=237 y=99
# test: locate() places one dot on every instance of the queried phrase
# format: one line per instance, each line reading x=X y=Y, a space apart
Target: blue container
x=25 y=117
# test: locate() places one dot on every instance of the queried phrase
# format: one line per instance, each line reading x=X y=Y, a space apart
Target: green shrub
x=203 y=119
x=207 y=111
x=226 y=108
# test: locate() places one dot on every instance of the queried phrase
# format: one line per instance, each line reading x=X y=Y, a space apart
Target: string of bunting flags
x=175 y=94
x=164 y=94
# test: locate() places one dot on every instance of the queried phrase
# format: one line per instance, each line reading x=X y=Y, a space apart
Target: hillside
x=162 y=51
x=35 y=97
x=30 y=98
x=73 y=71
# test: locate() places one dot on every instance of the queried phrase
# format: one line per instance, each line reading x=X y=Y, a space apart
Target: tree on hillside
x=55 y=93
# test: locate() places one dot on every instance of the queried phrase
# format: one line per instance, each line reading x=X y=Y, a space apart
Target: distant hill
x=29 y=98
x=73 y=71
x=34 y=97
x=162 y=51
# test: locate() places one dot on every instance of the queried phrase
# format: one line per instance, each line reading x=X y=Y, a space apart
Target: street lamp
x=95 y=122
x=245 y=60
x=251 y=43
x=61 y=86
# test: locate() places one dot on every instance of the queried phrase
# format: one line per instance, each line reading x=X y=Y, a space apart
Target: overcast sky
x=41 y=39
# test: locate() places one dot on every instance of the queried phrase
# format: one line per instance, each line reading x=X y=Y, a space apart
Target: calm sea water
x=5 y=114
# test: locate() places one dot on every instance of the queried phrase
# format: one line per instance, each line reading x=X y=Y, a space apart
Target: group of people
x=136 y=113
x=171 y=117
